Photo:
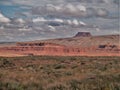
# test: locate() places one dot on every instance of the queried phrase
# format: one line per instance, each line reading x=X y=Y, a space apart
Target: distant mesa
x=83 y=34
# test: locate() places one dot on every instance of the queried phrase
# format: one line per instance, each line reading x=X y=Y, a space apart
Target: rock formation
x=86 y=46
x=83 y=34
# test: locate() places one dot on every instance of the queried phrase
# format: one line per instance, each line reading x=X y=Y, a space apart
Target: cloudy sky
x=43 y=19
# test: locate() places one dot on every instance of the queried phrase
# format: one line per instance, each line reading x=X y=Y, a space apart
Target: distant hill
x=7 y=43
x=82 y=44
x=85 y=41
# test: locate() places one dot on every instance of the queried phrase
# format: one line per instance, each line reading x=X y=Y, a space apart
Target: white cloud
x=25 y=28
x=70 y=9
x=60 y=10
x=9 y=37
x=5 y=2
x=2 y=27
x=40 y=22
x=102 y=12
x=4 y=19
x=81 y=8
x=43 y=20
x=82 y=23
x=39 y=19
x=36 y=2
x=20 y=20
x=97 y=29
x=58 y=20
x=42 y=2
x=69 y=22
x=75 y=22
x=51 y=28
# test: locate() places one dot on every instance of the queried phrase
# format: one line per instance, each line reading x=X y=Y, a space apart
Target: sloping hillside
x=86 y=41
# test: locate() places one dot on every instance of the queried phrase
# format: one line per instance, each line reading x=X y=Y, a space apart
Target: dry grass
x=60 y=73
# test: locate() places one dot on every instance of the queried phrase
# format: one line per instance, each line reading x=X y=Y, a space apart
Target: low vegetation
x=60 y=73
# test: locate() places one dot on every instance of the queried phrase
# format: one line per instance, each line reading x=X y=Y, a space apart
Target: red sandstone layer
x=57 y=51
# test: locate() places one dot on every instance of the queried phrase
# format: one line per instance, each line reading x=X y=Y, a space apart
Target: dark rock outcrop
x=83 y=34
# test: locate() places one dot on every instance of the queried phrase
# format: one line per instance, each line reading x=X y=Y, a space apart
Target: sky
x=25 y=20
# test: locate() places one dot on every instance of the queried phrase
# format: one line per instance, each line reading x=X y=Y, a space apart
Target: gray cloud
x=70 y=10
x=42 y=2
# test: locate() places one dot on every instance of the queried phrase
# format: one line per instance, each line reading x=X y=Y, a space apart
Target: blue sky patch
x=10 y=11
